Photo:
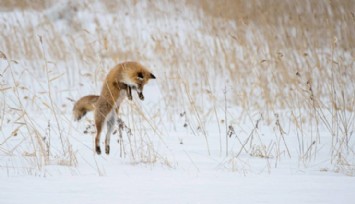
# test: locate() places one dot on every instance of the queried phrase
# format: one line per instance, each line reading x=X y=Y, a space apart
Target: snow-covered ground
x=227 y=120
x=144 y=185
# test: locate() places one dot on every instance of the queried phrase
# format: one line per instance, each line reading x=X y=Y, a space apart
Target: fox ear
x=152 y=76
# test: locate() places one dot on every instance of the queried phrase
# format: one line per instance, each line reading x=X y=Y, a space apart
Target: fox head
x=136 y=76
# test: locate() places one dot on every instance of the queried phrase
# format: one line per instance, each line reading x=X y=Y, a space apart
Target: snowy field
x=254 y=102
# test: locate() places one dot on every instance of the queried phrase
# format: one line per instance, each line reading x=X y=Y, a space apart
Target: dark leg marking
x=98 y=150
x=129 y=92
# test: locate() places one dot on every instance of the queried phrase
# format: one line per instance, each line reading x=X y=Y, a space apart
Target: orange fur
x=84 y=105
x=117 y=86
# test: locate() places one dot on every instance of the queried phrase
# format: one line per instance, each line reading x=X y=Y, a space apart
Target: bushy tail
x=84 y=105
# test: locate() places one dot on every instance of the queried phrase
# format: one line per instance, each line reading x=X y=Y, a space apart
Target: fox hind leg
x=110 y=123
x=101 y=113
x=97 y=139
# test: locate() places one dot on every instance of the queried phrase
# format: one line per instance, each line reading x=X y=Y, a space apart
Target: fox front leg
x=129 y=92
x=140 y=94
x=124 y=87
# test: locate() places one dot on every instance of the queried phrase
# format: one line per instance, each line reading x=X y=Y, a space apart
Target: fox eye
x=140 y=76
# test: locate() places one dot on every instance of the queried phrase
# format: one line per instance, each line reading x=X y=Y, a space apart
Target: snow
x=174 y=149
x=142 y=185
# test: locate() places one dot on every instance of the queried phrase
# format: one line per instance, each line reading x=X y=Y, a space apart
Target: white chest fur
x=120 y=98
x=112 y=115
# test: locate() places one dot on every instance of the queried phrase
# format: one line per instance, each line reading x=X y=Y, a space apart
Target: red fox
x=118 y=84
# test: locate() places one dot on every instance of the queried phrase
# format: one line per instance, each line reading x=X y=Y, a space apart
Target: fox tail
x=84 y=105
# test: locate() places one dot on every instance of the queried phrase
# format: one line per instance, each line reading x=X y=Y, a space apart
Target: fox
x=118 y=85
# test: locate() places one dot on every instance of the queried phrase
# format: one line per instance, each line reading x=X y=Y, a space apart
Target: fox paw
x=141 y=96
x=98 y=150
x=107 y=150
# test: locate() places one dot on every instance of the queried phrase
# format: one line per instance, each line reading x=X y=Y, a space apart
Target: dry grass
x=264 y=57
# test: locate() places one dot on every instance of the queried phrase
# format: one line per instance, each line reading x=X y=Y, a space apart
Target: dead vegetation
x=264 y=57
